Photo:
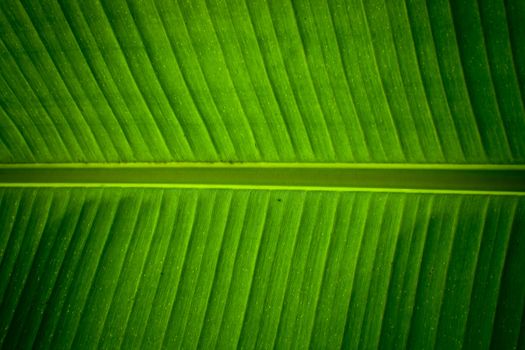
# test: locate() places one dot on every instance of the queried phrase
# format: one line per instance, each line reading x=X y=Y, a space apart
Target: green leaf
x=263 y=81
x=249 y=268
x=262 y=174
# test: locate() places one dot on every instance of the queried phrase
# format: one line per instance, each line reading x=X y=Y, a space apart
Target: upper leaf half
x=317 y=81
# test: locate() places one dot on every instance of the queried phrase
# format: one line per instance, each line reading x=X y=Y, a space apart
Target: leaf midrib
x=484 y=178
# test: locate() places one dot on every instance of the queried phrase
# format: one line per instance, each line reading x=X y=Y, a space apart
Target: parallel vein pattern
x=262 y=80
x=84 y=268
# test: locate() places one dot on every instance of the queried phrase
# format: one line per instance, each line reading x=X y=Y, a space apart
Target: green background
x=396 y=83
